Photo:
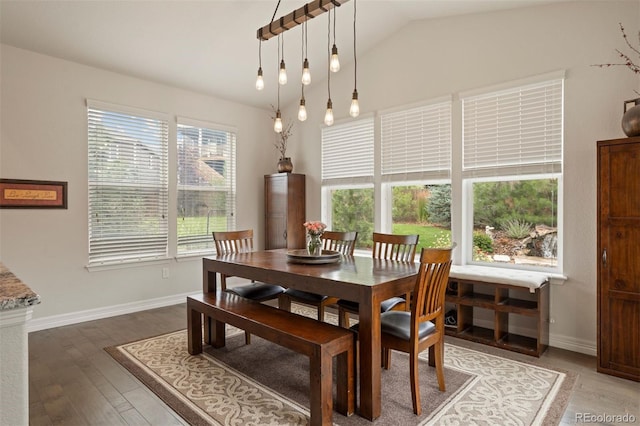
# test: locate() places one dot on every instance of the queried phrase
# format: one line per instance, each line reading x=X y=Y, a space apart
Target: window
x=128 y=186
x=347 y=178
x=206 y=184
x=512 y=172
x=416 y=168
x=503 y=167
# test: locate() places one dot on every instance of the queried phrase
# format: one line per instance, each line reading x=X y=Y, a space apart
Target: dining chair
x=229 y=242
x=343 y=242
x=423 y=327
x=386 y=247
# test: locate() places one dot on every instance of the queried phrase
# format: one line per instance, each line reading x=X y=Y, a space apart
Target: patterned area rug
x=265 y=384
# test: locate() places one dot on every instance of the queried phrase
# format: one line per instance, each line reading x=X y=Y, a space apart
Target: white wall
x=43 y=137
x=432 y=58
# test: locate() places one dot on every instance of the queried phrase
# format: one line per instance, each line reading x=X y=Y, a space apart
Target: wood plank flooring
x=73 y=381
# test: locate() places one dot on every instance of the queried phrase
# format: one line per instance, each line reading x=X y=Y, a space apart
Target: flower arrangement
x=315 y=227
x=314 y=232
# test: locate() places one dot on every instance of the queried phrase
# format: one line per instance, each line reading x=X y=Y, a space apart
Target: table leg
x=345 y=383
x=218 y=336
x=194 y=331
x=209 y=285
x=321 y=392
x=370 y=359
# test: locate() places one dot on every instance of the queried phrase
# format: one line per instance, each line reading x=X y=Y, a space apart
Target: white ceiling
x=210 y=46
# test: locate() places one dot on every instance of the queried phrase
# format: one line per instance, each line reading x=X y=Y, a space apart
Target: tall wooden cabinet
x=619 y=257
x=284 y=211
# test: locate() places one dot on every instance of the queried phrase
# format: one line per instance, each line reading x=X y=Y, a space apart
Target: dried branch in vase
x=627 y=61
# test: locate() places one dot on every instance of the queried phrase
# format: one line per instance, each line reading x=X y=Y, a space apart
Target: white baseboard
x=572 y=344
x=106 y=312
x=557 y=341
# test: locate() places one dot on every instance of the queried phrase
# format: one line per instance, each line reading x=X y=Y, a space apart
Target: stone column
x=14 y=367
x=16 y=308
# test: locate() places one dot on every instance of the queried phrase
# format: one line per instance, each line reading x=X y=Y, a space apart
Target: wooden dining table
x=360 y=279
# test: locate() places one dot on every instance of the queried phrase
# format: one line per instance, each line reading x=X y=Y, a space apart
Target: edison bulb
x=334 y=65
x=328 y=116
x=354 y=110
x=302 y=111
x=277 y=124
x=259 y=80
x=282 y=75
x=306 y=74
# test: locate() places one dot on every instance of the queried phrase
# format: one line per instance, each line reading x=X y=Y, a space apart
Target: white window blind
x=128 y=186
x=514 y=131
x=347 y=152
x=206 y=184
x=416 y=143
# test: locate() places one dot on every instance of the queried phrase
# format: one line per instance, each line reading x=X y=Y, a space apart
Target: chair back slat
x=233 y=241
x=394 y=246
x=344 y=242
x=431 y=284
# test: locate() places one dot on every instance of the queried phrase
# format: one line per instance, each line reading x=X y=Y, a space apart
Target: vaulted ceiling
x=210 y=46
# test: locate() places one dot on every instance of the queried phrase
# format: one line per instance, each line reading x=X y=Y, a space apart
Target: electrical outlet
x=165 y=273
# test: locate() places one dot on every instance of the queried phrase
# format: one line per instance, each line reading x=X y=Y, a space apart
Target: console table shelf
x=504 y=301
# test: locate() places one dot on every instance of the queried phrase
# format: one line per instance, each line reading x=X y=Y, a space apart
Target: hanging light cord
x=302 y=44
x=303 y=47
x=355 y=57
x=306 y=33
x=278 y=65
x=274 y=12
x=334 y=25
x=329 y=53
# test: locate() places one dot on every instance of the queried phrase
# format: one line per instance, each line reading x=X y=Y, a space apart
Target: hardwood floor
x=73 y=381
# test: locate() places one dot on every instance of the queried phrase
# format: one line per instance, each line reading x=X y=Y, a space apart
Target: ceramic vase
x=631 y=118
x=285 y=165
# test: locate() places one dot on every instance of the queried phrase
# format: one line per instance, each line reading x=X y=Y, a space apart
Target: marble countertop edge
x=15 y=294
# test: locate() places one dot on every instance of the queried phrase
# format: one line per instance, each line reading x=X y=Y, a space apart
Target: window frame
x=230 y=208
x=550 y=168
x=96 y=111
x=169 y=182
x=468 y=215
x=461 y=180
x=362 y=179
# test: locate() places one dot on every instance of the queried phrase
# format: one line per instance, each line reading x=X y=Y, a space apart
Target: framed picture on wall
x=32 y=194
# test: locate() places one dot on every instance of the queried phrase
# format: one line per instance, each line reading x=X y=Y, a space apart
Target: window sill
x=194 y=256
x=126 y=264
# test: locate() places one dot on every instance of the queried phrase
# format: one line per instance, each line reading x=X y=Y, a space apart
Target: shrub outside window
x=516 y=222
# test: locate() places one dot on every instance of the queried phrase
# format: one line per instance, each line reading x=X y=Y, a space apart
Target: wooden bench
x=317 y=340
x=508 y=293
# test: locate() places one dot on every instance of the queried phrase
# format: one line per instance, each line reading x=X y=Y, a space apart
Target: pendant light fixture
x=277 y=123
x=282 y=73
x=259 y=79
x=328 y=116
x=354 y=110
x=306 y=76
x=286 y=22
x=306 y=73
x=302 y=109
x=335 y=61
